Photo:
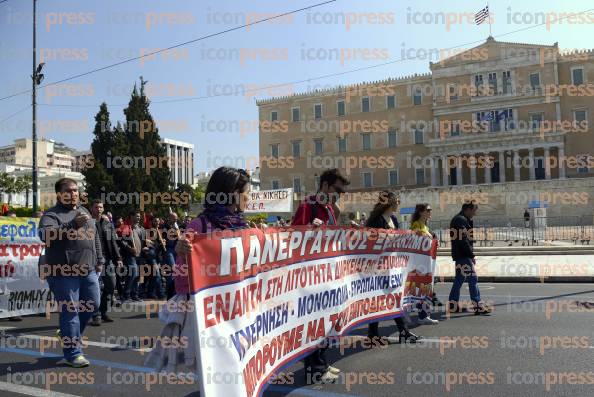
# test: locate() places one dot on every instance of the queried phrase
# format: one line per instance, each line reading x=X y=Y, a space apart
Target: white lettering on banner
x=279 y=292
x=22 y=292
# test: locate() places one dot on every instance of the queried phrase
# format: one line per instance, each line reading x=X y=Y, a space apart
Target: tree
x=8 y=185
x=24 y=184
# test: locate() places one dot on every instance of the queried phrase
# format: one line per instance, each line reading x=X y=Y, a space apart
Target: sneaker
x=95 y=322
x=59 y=336
x=427 y=321
x=455 y=307
x=333 y=370
x=478 y=310
x=106 y=319
x=328 y=377
x=77 y=362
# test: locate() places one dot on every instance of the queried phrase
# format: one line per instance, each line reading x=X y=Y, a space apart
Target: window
x=393 y=177
x=478 y=83
x=318 y=146
x=417 y=96
x=577 y=76
x=508 y=119
x=318 y=111
x=340 y=109
x=580 y=119
x=365 y=104
x=536 y=121
x=342 y=145
x=391 y=138
x=507 y=83
x=535 y=80
x=274 y=185
x=455 y=129
x=296 y=185
x=295 y=114
x=420 y=176
x=418 y=136
x=366 y=141
x=274 y=115
x=391 y=101
x=452 y=92
x=367 y=179
x=274 y=150
x=494 y=121
x=296 y=146
x=492 y=83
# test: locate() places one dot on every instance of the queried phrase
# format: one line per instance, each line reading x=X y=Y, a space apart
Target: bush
x=23 y=212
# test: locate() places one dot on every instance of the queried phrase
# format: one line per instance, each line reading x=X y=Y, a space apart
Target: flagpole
x=489 y=10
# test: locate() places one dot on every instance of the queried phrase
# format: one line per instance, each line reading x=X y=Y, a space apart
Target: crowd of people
x=121 y=248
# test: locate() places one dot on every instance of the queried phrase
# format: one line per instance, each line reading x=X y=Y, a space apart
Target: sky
x=235 y=68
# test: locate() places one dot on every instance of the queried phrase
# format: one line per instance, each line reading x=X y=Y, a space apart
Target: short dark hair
x=469 y=205
x=96 y=201
x=60 y=183
x=331 y=176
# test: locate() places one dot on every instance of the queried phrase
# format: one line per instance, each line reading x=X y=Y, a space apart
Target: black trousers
x=108 y=281
x=316 y=362
x=374 y=327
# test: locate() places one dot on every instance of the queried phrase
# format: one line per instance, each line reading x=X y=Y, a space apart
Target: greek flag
x=480 y=16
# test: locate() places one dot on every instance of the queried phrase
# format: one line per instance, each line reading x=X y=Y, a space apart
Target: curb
x=526 y=279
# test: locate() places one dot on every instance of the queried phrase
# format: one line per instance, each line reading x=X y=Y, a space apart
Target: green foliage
x=137 y=139
x=257 y=218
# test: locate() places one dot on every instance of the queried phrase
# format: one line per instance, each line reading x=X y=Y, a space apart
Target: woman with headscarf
x=382 y=217
x=225 y=200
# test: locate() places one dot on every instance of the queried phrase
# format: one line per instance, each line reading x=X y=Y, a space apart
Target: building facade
x=181 y=161
x=497 y=113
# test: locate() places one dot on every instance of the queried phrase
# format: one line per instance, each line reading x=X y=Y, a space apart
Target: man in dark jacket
x=134 y=246
x=73 y=257
x=318 y=210
x=463 y=254
x=111 y=253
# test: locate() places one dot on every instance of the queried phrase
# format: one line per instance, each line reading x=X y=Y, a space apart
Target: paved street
x=512 y=352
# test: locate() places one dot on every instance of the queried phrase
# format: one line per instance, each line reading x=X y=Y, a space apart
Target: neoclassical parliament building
x=508 y=123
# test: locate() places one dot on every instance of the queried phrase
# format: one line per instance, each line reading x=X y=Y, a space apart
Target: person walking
x=463 y=255
x=156 y=248
x=382 y=217
x=226 y=197
x=419 y=221
x=171 y=235
x=317 y=210
x=72 y=265
x=111 y=254
x=135 y=244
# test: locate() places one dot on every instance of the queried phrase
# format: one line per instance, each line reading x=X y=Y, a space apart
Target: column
x=547 y=164
x=176 y=177
x=502 y=166
x=473 y=170
x=531 y=160
x=459 y=171
x=444 y=165
x=434 y=171
x=516 y=165
x=487 y=171
x=561 y=160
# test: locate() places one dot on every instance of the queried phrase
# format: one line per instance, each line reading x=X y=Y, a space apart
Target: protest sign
x=269 y=297
x=21 y=290
x=280 y=200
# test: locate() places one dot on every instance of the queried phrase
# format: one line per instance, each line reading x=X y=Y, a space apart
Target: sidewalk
x=525 y=264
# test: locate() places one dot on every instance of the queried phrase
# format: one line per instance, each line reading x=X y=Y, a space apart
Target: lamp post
x=37 y=78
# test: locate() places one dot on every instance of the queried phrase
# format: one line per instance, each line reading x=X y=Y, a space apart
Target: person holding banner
x=71 y=266
x=318 y=210
x=225 y=200
x=382 y=217
x=418 y=224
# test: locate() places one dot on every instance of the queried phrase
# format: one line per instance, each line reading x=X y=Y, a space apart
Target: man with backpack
x=320 y=209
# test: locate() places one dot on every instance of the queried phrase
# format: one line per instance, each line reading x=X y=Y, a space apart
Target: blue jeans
x=465 y=272
x=131 y=279
x=154 y=283
x=170 y=262
x=77 y=297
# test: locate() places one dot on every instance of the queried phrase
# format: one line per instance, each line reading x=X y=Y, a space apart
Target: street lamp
x=37 y=78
